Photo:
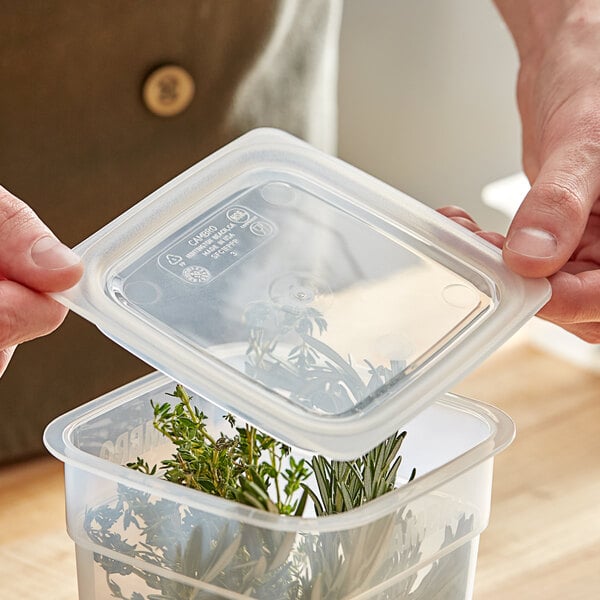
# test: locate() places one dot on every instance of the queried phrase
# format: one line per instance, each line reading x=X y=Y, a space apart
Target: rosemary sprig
x=344 y=485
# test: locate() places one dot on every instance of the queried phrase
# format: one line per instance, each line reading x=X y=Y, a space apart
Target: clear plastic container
x=328 y=310
x=138 y=537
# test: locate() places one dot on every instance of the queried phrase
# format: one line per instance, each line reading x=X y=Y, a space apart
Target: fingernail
x=531 y=242
x=49 y=253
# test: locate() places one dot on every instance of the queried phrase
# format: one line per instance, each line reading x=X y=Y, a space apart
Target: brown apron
x=79 y=143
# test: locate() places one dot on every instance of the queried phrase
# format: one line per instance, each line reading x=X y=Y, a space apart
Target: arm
x=32 y=261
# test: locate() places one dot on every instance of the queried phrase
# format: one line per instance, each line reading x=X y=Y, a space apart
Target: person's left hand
x=574 y=305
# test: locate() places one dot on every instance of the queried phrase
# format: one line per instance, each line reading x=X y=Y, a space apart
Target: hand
x=32 y=261
x=575 y=287
x=556 y=232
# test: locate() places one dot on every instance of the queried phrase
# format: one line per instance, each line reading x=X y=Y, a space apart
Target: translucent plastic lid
x=300 y=294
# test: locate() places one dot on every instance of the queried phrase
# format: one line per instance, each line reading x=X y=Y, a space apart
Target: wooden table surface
x=543 y=542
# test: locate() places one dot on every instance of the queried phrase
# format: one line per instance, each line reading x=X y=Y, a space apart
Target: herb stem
x=196 y=419
x=277 y=469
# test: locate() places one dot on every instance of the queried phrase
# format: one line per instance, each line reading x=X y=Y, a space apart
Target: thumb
x=550 y=223
x=29 y=253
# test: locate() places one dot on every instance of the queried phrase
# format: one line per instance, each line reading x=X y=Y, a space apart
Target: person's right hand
x=32 y=261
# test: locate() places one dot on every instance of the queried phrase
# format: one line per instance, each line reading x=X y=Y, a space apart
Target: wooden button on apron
x=168 y=90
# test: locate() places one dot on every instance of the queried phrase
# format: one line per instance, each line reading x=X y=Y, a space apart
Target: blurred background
x=427 y=99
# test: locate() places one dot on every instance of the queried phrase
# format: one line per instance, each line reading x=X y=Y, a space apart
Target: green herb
x=344 y=485
x=244 y=466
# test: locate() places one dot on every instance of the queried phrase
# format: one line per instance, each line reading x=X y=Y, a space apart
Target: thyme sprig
x=244 y=466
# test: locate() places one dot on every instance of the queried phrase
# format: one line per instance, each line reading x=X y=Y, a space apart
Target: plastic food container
x=419 y=541
x=327 y=309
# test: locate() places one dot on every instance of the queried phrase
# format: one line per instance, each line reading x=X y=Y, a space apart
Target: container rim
x=58 y=441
